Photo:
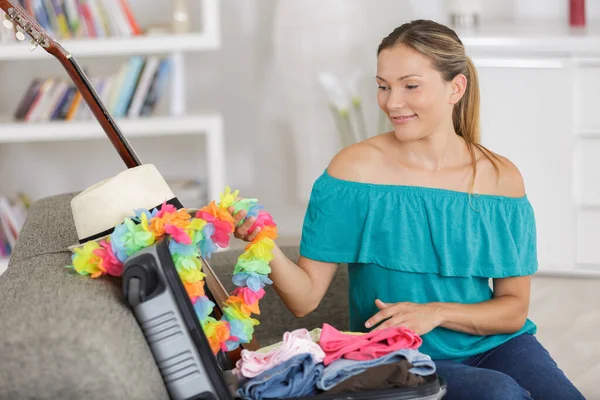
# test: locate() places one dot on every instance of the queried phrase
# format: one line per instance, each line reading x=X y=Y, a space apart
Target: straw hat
x=101 y=207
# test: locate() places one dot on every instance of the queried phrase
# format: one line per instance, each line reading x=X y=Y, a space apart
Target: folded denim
x=295 y=377
x=342 y=369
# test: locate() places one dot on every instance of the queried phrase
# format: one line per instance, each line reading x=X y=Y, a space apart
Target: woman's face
x=413 y=94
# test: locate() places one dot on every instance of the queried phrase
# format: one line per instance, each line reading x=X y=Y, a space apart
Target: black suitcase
x=154 y=291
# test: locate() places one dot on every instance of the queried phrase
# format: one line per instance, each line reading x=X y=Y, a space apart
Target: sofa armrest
x=66 y=336
x=62 y=335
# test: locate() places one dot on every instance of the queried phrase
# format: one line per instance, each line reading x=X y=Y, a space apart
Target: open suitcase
x=187 y=365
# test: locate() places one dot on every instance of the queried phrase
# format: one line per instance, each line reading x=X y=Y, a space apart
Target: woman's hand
x=420 y=318
x=241 y=232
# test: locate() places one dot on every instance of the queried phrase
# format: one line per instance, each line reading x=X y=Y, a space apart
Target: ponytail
x=465 y=118
x=466 y=112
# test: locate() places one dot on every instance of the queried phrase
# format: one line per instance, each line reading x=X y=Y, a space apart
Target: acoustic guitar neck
x=18 y=18
x=23 y=22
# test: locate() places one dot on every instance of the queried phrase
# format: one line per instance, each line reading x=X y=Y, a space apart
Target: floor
x=567 y=313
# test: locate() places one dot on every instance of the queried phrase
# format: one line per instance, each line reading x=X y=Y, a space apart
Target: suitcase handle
x=165 y=314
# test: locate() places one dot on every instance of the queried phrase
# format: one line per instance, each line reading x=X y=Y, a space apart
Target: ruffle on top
x=418 y=229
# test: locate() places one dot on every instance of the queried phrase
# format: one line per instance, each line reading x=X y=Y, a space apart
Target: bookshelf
x=206 y=126
x=15 y=132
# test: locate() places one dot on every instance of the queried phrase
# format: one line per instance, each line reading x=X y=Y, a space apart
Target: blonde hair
x=443 y=46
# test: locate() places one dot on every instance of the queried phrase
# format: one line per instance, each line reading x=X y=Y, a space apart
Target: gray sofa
x=64 y=336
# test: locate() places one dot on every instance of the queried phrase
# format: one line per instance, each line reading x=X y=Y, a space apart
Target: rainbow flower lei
x=190 y=237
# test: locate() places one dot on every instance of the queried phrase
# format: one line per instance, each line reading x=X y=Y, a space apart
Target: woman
x=425 y=216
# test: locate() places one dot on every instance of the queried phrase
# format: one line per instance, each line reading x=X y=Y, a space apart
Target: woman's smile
x=402 y=119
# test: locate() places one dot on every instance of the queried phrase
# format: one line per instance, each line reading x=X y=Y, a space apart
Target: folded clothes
x=385 y=376
x=368 y=346
x=342 y=369
x=295 y=377
x=314 y=336
x=253 y=363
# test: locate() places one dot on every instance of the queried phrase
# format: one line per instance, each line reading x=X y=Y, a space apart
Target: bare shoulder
x=357 y=162
x=508 y=181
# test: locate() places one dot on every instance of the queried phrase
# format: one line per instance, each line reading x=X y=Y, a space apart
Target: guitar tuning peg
x=34 y=44
x=8 y=24
x=20 y=34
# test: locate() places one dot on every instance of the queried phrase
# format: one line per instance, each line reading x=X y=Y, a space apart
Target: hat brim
x=73 y=247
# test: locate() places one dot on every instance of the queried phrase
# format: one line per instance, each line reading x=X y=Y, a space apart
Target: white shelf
x=153 y=44
x=20 y=132
x=585 y=133
x=209 y=125
x=589 y=207
x=534 y=38
x=577 y=272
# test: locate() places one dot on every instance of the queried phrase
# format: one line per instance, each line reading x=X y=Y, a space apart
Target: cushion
x=63 y=335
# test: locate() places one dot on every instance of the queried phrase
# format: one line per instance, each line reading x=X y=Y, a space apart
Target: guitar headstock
x=17 y=17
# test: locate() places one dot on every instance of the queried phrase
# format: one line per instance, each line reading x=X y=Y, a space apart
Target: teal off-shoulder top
x=420 y=245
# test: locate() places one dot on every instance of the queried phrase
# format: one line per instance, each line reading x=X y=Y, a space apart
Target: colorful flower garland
x=189 y=238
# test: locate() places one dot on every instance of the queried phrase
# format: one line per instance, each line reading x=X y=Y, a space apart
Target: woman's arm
x=301 y=285
x=506 y=312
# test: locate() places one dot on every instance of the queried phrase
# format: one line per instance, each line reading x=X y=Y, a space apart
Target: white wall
x=279 y=132
x=294 y=136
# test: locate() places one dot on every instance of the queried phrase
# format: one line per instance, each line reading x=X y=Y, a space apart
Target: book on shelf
x=133 y=91
x=12 y=217
x=77 y=19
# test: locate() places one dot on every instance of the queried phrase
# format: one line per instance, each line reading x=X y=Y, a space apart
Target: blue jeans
x=295 y=377
x=342 y=369
x=519 y=369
